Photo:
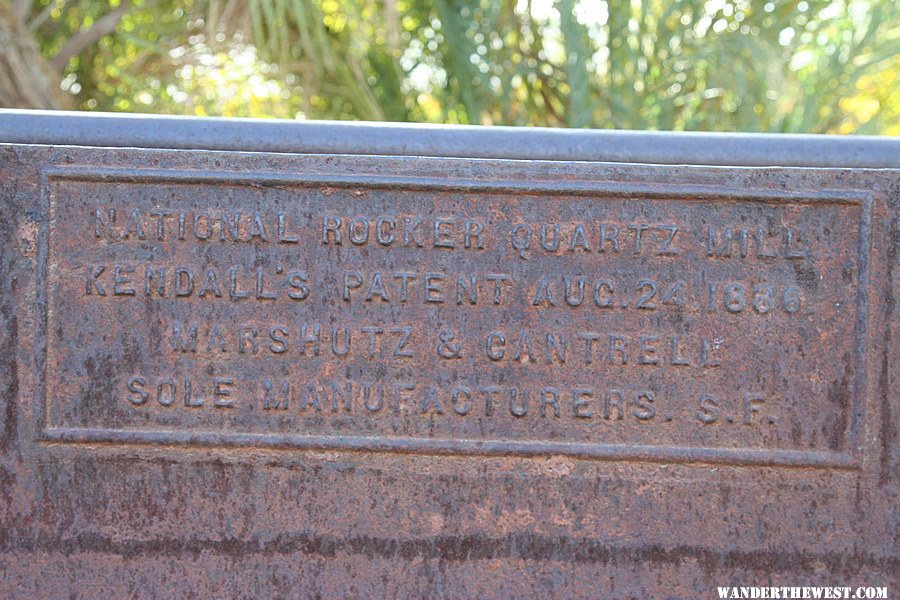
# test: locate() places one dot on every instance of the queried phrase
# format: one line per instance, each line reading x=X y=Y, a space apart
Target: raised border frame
x=849 y=458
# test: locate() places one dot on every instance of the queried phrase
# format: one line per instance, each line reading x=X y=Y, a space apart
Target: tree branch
x=26 y=79
x=81 y=40
x=45 y=14
x=392 y=26
x=21 y=9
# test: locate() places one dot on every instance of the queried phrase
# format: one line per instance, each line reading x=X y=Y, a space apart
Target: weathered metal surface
x=316 y=375
x=123 y=130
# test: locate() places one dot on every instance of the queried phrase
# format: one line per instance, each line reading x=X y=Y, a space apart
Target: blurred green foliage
x=723 y=65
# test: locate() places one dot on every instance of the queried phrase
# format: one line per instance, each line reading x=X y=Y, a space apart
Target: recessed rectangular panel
x=464 y=317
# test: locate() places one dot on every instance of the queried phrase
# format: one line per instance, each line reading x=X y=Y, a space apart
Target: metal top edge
x=122 y=130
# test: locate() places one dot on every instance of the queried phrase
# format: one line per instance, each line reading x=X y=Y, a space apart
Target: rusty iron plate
x=320 y=375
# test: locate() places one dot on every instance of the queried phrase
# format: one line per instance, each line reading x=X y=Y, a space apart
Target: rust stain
x=408 y=377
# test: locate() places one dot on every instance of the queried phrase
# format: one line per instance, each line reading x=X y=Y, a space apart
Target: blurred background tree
x=725 y=65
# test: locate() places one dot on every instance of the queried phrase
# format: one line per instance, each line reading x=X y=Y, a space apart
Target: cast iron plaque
x=456 y=316
x=260 y=374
